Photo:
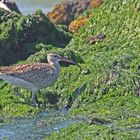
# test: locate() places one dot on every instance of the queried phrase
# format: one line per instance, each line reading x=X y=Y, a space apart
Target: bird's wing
x=28 y=72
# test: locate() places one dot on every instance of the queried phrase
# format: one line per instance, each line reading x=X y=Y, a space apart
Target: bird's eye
x=55 y=55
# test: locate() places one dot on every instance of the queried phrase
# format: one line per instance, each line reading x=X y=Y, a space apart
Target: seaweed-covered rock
x=17 y=31
x=68 y=10
x=110 y=91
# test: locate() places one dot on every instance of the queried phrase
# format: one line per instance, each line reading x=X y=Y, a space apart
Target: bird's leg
x=34 y=96
x=15 y=89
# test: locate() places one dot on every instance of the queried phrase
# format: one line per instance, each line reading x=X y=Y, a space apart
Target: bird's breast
x=47 y=80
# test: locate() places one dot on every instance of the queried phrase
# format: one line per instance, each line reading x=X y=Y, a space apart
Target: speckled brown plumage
x=37 y=73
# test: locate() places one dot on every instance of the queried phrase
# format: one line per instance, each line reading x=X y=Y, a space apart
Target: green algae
x=82 y=131
x=12 y=105
x=107 y=86
x=111 y=87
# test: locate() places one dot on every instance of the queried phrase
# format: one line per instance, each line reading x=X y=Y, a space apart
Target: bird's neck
x=56 y=66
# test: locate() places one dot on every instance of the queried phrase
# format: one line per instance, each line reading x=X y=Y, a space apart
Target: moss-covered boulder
x=19 y=32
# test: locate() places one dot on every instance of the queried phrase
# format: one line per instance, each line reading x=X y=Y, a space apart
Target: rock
x=68 y=10
x=9 y=6
x=17 y=31
x=67 y=107
x=93 y=39
x=41 y=123
x=138 y=92
x=4 y=6
x=94 y=120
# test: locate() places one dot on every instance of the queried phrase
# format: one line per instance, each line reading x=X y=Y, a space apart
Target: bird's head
x=54 y=57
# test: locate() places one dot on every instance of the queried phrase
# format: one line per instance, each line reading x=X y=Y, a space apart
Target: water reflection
x=37 y=128
x=4 y=133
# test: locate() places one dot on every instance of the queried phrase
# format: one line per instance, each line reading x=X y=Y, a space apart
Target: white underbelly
x=17 y=81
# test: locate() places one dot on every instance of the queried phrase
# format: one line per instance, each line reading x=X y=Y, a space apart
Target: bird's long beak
x=64 y=59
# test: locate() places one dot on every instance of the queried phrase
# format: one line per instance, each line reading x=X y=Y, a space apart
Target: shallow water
x=37 y=128
x=30 y=6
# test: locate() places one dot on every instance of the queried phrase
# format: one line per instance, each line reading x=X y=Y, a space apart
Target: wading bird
x=34 y=76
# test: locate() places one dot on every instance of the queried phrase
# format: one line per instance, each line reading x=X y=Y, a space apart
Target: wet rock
x=68 y=10
x=100 y=36
x=67 y=107
x=41 y=123
x=94 y=120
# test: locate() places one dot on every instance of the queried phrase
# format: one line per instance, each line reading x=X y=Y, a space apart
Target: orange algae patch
x=78 y=23
x=95 y=3
x=68 y=10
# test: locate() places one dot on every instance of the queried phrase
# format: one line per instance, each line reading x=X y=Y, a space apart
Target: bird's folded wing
x=29 y=72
